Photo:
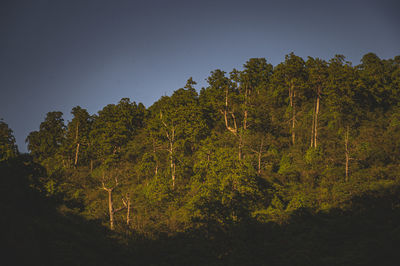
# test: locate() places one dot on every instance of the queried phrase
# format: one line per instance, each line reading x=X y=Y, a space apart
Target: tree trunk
x=245 y=109
x=234 y=129
x=293 y=117
x=346 y=143
x=312 y=127
x=171 y=150
x=173 y=172
x=259 y=157
x=171 y=138
x=110 y=208
x=77 y=144
x=172 y=164
x=240 y=147
x=76 y=154
x=128 y=211
x=245 y=115
x=316 y=121
x=155 y=158
x=225 y=113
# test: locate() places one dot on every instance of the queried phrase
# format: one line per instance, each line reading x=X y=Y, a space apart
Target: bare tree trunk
x=155 y=157
x=76 y=154
x=240 y=146
x=346 y=143
x=245 y=119
x=171 y=156
x=113 y=211
x=225 y=113
x=312 y=127
x=316 y=121
x=128 y=212
x=234 y=129
x=245 y=115
x=259 y=157
x=172 y=166
x=111 y=208
x=293 y=117
x=171 y=138
x=127 y=204
x=292 y=95
x=77 y=144
x=245 y=109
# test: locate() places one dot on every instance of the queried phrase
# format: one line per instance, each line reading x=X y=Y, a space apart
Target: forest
x=293 y=164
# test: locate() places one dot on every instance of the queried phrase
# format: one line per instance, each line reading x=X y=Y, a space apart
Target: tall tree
x=343 y=110
x=78 y=130
x=8 y=148
x=251 y=83
x=374 y=81
x=317 y=79
x=292 y=75
x=46 y=142
x=114 y=127
x=112 y=179
x=177 y=122
x=224 y=97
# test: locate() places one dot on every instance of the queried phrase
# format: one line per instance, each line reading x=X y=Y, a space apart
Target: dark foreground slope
x=37 y=230
x=366 y=234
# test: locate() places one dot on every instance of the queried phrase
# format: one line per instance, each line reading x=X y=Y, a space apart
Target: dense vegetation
x=297 y=164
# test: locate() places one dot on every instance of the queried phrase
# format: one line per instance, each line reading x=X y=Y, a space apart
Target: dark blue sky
x=55 y=55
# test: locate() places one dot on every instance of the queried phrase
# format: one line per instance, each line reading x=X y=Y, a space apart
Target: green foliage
x=8 y=148
x=114 y=127
x=241 y=158
x=77 y=143
x=46 y=142
x=225 y=190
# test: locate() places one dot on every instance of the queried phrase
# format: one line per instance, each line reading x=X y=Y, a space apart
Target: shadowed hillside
x=294 y=164
x=40 y=231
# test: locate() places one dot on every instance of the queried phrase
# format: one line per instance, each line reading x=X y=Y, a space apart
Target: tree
x=251 y=83
x=45 y=144
x=177 y=123
x=114 y=127
x=224 y=98
x=225 y=189
x=238 y=155
x=291 y=75
x=78 y=130
x=376 y=77
x=317 y=78
x=8 y=148
x=343 y=110
x=112 y=179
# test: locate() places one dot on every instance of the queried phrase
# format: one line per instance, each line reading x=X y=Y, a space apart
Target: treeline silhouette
x=296 y=164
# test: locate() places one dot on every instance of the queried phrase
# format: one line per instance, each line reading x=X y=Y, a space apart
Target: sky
x=55 y=55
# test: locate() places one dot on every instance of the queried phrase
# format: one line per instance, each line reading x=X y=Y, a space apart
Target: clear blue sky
x=55 y=55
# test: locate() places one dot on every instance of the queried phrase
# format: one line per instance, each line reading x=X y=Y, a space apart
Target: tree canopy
x=262 y=145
